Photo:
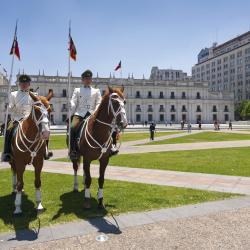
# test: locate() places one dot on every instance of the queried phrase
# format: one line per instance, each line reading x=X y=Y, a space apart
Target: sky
x=140 y=33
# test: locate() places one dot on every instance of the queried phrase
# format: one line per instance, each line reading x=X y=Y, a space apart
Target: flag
x=72 y=48
x=14 y=48
x=118 y=66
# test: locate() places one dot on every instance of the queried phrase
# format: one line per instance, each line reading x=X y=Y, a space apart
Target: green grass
x=62 y=205
x=203 y=137
x=228 y=161
x=59 y=141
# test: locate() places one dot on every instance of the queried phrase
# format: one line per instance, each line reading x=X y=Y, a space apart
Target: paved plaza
x=188 y=227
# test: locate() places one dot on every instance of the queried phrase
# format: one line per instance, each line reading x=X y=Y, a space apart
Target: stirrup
x=73 y=155
x=6 y=157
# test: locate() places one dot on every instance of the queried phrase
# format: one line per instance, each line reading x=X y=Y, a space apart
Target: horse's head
x=116 y=106
x=40 y=114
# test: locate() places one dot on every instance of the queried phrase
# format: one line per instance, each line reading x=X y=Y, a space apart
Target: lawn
x=59 y=141
x=203 y=137
x=228 y=161
x=62 y=205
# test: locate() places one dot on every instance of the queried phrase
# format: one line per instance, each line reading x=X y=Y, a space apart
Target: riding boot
x=73 y=152
x=6 y=157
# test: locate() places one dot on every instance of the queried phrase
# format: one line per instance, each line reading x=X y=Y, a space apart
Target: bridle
x=20 y=133
x=112 y=125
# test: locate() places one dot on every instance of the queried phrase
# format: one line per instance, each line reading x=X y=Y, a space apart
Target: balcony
x=150 y=110
x=173 y=110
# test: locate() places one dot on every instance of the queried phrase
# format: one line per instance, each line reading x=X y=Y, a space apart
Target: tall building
x=226 y=67
x=146 y=99
x=167 y=74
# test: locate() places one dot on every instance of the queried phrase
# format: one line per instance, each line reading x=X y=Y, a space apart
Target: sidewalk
x=65 y=236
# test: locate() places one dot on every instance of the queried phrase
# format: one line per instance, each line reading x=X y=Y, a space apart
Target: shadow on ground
x=72 y=203
x=21 y=223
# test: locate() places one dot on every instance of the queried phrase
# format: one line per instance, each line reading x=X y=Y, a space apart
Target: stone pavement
x=186 y=227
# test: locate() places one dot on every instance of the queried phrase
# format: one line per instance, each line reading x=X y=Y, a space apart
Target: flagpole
x=69 y=94
x=9 y=87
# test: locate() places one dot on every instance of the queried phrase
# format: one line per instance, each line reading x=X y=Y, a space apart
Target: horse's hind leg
x=103 y=165
x=38 y=169
x=19 y=187
x=75 y=167
x=86 y=170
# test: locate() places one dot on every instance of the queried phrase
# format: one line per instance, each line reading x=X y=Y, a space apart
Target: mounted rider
x=85 y=100
x=20 y=105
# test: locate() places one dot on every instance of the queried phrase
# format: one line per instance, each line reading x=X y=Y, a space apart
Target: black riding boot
x=7 y=147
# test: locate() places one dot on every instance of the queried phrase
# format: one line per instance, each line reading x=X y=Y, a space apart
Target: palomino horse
x=95 y=140
x=29 y=146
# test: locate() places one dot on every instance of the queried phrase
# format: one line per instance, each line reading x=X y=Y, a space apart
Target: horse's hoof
x=87 y=203
x=40 y=210
x=19 y=214
x=101 y=206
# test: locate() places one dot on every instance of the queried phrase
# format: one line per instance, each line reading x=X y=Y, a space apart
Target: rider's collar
x=24 y=90
x=86 y=86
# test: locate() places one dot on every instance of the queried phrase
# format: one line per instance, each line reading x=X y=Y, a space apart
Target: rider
x=85 y=100
x=20 y=105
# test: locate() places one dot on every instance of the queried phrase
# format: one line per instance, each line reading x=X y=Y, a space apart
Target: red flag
x=15 y=49
x=72 y=48
x=118 y=66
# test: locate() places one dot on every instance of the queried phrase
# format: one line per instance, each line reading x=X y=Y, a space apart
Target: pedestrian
x=152 y=131
x=230 y=125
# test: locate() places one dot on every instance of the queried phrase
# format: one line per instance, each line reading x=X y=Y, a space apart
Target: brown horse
x=95 y=140
x=29 y=146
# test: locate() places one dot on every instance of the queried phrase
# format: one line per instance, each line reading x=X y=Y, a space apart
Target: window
x=214 y=108
x=184 y=108
x=64 y=118
x=149 y=94
x=161 y=108
x=161 y=95
x=161 y=118
x=150 y=108
x=64 y=93
x=183 y=96
x=138 y=108
x=226 y=109
x=64 y=108
x=198 y=109
x=184 y=117
x=226 y=117
x=172 y=108
x=198 y=95
x=137 y=94
x=138 y=118
x=172 y=95
x=172 y=118
x=150 y=117
x=214 y=117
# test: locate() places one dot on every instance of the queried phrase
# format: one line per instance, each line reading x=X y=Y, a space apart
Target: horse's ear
x=110 y=89
x=122 y=89
x=35 y=98
x=50 y=94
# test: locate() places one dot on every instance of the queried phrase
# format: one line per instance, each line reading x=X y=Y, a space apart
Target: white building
x=226 y=67
x=147 y=100
x=167 y=74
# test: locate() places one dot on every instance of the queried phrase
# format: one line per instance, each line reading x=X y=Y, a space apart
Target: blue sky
x=141 y=33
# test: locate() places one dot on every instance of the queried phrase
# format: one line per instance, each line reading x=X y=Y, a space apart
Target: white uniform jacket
x=20 y=104
x=85 y=99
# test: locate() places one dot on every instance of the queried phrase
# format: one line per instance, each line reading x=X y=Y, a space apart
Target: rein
x=22 y=136
x=112 y=125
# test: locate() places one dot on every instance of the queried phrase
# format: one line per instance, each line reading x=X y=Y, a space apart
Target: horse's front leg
x=87 y=179
x=38 y=168
x=19 y=188
x=103 y=165
x=14 y=179
x=75 y=167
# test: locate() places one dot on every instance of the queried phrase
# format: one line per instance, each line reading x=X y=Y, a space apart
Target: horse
x=95 y=141
x=28 y=146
